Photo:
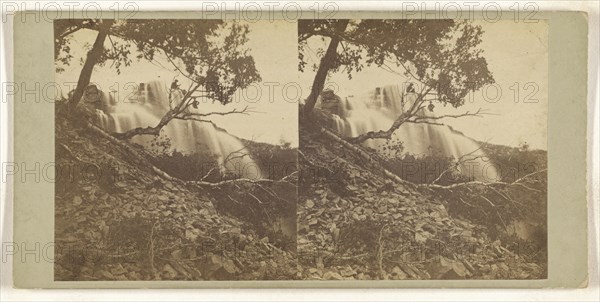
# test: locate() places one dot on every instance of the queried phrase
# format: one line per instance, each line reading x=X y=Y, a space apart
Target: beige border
x=567 y=124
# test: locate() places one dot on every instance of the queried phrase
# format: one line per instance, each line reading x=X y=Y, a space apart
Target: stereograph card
x=368 y=149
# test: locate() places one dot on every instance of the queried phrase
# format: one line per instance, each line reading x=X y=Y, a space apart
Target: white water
x=146 y=108
x=377 y=111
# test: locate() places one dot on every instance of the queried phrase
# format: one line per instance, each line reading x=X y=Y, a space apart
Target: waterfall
x=377 y=110
x=149 y=104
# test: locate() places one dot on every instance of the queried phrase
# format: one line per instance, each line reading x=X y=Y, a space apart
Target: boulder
x=443 y=268
x=399 y=274
x=218 y=268
x=330 y=102
x=332 y=276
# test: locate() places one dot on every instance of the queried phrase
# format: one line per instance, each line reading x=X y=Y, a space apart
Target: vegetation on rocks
x=355 y=221
x=119 y=220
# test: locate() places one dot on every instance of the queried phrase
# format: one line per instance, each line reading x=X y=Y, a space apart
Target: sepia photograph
x=175 y=161
x=423 y=149
x=299 y=150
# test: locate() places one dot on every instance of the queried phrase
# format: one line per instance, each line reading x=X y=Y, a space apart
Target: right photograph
x=422 y=149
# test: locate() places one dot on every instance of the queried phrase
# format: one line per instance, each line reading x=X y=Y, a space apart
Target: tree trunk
x=92 y=58
x=326 y=63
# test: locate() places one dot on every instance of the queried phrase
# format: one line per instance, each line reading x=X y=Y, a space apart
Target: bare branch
x=403 y=118
x=380 y=248
x=458 y=162
x=517 y=182
x=227 y=159
x=244 y=111
x=180 y=111
x=428 y=119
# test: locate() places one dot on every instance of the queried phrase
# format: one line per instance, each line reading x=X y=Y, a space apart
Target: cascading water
x=379 y=108
x=146 y=108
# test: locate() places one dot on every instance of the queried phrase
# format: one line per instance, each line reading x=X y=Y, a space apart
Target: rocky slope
x=354 y=222
x=116 y=219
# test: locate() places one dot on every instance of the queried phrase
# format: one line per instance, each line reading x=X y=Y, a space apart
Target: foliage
x=275 y=161
x=514 y=163
x=442 y=54
x=419 y=168
x=211 y=51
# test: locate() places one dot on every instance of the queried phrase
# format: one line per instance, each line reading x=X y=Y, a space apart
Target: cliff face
x=118 y=220
x=357 y=222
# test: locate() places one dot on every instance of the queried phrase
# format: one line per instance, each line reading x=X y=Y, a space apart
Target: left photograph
x=175 y=150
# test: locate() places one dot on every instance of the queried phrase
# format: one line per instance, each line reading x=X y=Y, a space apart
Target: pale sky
x=274 y=48
x=516 y=53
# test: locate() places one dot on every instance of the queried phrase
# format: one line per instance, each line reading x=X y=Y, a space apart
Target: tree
x=329 y=61
x=210 y=53
x=441 y=55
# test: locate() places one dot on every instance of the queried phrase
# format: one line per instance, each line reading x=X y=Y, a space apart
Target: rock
x=497 y=251
x=310 y=204
x=412 y=273
x=466 y=234
x=169 y=272
x=176 y=254
x=344 y=203
x=347 y=271
x=458 y=271
x=77 y=200
x=468 y=265
x=169 y=186
x=399 y=273
x=121 y=185
x=420 y=237
x=133 y=276
x=329 y=275
x=335 y=234
x=105 y=275
x=219 y=268
x=180 y=269
x=319 y=263
x=428 y=228
x=118 y=270
x=273 y=264
x=191 y=234
x=442 y=210
x=443 y=268
x=503 y=267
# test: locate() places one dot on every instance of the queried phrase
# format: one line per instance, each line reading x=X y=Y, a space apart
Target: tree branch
x=458 y=162
x=403 y=118
x=486 y=184
x=170 y=115
x=428 y=119
x=228 y=158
